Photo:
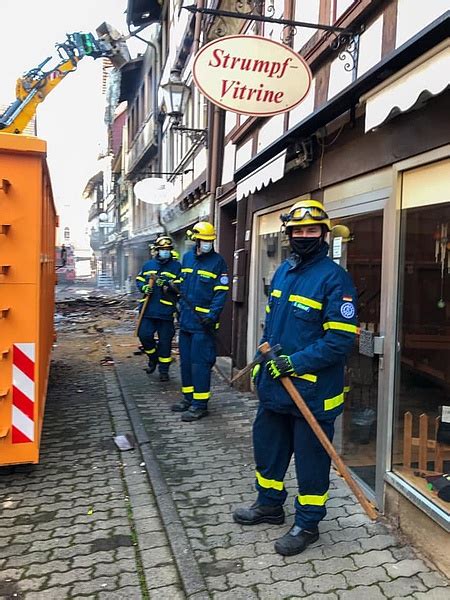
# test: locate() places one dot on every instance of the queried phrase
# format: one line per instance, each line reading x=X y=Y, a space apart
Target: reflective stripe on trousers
x=161 y=350
x=276 y=437
x=197 y=357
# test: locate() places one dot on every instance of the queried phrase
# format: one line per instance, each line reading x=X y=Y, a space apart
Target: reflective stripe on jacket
x=311 y=313
x=161 y=305
x=205 y=285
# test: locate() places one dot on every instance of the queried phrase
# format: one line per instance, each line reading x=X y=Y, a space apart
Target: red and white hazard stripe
x=23 y=393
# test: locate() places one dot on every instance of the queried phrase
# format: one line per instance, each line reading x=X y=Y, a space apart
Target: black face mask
x=306 y=246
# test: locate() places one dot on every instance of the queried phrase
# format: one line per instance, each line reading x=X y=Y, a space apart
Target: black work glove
x=208 y=324
x=280 y=366
x=147 y=289
x=173 y=287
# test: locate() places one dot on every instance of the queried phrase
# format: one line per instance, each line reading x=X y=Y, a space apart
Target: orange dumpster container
x=27 y=282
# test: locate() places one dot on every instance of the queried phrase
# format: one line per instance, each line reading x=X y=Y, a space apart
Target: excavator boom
x=35 y=85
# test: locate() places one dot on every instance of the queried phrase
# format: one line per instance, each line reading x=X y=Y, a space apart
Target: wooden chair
x=428 y=450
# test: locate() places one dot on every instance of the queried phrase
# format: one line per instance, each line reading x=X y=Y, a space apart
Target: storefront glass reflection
x=421 y=450
x=273 y=249
x=361 y=255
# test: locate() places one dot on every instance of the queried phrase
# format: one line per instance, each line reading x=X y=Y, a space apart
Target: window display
x=361 y=254
x=421 y=451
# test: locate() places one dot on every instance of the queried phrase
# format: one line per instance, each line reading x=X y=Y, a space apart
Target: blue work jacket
x=204 y=289
x=311 y=313
x=161 y=304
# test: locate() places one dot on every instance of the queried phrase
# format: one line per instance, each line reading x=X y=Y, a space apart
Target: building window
x=421 y=446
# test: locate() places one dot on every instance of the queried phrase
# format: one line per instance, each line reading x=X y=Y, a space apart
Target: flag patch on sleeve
x=347 y=298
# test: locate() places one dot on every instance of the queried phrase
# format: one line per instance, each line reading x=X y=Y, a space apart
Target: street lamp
x=176 y=94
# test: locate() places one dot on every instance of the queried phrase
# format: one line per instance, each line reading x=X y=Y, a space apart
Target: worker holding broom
x=158 y=305
x=311 y=314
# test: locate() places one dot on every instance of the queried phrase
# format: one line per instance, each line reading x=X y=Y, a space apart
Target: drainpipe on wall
x=197 y=27
x=214 y=161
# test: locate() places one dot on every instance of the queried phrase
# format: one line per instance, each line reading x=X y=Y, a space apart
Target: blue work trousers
x=161 y=350
x=197 y=356
x=276 y=436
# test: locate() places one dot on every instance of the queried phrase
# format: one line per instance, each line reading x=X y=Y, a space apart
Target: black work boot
x=180 y=406
x=164 y=377
x=259 y=513
x=152 y=364
x=194 y=414
x=295 y=541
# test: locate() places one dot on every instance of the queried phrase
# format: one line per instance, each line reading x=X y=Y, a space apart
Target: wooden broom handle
x=323 y=439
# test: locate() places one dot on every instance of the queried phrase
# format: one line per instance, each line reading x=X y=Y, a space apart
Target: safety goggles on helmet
x=307 y=212
x=164 y=242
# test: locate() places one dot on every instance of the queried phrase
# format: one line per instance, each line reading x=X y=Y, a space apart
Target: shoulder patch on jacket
x=224 y=279
x=347 y=310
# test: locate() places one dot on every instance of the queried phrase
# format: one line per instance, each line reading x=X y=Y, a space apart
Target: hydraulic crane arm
x=35 y=85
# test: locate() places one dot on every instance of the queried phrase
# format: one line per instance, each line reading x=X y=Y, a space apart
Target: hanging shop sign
x=251 y=75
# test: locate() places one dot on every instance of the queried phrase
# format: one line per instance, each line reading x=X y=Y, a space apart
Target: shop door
x=358 y=248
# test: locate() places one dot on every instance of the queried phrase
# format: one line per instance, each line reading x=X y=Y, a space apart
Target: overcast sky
x=71 y=118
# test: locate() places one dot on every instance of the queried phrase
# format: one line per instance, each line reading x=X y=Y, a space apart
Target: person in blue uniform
x=311 y=313
x=153 y=280
x=203 y=293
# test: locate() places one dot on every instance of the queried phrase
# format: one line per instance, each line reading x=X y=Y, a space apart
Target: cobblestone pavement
x=83 y=523
x=208 y=466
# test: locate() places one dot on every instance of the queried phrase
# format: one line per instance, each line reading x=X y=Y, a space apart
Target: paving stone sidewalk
x=208 y=466
x=83 y=523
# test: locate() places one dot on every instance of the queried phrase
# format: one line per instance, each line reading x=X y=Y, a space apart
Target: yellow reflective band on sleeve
x=187 y=389
x=267 y=308
x=178 y=280
x=152 y=351
x=306 y=301
x=347 y=388
x=187 y=270
x=307 y=376
x=269 y=483
x=164 y=360
x=201 y=395
x=207 y=274
x=341 y=326
x=170 y=275
x=331 y=403
x=166 y=302
x=312 y=500
x=276 y=293
x=149 y=272
x=139 y=278
x=203 y=310
x=142 y=300
x=225 y=288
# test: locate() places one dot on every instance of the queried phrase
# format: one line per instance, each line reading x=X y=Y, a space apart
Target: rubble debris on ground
x=94 y=312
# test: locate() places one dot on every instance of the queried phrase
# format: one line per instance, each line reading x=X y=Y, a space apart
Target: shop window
x=360 y=252
x=273 y=248
x=421 y=448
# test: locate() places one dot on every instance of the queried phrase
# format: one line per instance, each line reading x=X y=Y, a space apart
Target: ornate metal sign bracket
x=346 y=40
